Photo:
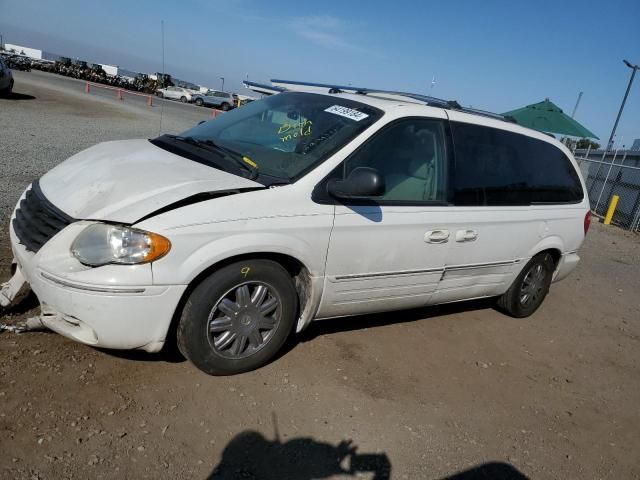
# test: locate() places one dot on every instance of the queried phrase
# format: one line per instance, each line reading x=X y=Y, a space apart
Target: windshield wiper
x=237 y=157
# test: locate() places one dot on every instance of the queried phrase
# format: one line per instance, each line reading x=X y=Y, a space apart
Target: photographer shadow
x=249 y=455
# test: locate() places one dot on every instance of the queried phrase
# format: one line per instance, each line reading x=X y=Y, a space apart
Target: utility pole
x=222 y=88
x=577 y=103
x=633 y=68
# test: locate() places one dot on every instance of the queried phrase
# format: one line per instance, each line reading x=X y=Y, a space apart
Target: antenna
x=433 y=82
x=163 y=74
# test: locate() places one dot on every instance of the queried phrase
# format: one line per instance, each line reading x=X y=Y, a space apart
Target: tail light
x=587 y=221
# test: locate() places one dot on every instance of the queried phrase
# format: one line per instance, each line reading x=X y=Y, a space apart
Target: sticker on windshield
x=347 y=112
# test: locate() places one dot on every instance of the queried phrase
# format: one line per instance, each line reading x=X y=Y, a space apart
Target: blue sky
x=496 y=55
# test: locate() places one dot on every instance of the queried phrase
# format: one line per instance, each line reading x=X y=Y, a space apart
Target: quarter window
x=410 y=155
x=497 y=167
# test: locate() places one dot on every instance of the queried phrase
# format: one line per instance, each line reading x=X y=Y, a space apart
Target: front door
x=390 y=254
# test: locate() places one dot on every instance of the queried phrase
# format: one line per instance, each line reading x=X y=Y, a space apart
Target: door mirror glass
x=362 y=183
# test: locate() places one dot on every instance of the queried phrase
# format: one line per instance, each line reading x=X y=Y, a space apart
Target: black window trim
x=321 y=196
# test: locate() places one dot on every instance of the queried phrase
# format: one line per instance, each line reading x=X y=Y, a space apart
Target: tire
x=160 y=94
x=199 y=102
x=530 y=288
x=225 y=106
x=248 y=330
x=183 y=99
x=7 y=91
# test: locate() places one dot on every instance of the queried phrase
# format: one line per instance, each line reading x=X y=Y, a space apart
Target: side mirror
x=362 y=183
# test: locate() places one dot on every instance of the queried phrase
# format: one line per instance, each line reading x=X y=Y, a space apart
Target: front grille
x=38 y=220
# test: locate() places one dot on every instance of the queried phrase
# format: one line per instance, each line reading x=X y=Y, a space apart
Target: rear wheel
x=199 y=102
x=530 y=287
x=160 y=94
x=225 y=106
x=238 y=318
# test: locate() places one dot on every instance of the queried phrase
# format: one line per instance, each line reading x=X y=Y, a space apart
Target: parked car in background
x=301 y=206
x=6 y=78
x=17 y=62
x=215 y=98
x=176 y=93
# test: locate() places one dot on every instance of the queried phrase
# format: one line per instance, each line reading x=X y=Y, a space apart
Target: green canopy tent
x=548 y=117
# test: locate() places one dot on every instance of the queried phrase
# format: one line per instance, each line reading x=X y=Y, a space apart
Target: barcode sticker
x=347 y=112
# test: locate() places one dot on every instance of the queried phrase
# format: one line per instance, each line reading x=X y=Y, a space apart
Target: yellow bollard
x=611 y=210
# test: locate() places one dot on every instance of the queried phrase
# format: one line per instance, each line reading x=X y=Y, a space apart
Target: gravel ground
x=421 y=394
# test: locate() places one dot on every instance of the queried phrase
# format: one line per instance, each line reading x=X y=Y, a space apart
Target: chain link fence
x=614 y=173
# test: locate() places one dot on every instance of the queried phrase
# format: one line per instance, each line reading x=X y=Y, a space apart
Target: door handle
x=466 y=235
x=436 y=236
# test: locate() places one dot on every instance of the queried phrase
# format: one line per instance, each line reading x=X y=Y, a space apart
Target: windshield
x=287 y=134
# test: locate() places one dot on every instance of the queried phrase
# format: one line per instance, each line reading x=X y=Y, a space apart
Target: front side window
x=287 y=134
x=498 y=167
x=411 y=156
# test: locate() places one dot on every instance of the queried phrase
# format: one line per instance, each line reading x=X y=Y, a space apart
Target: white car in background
x=176 y=93
x=300 y=206
x=215 y=98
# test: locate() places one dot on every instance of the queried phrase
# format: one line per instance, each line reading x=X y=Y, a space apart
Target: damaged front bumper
x=14 y=289
x=112 y=306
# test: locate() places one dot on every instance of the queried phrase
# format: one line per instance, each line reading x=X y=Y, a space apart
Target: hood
x=124 y=181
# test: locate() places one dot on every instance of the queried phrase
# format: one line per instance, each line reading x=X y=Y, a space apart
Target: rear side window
x=497 y=167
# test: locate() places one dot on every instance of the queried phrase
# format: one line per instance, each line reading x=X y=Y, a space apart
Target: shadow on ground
x=17 y=96
x=249 y=455
x=346 y=324
x=489 y=471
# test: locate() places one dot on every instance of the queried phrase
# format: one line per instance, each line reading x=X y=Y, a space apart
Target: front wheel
x=183 y=99
x=199 y=102
x=7 y=91
x=530 y=287
x=238 y=318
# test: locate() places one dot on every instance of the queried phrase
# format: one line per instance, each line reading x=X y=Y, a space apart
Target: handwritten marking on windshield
x=289 y=131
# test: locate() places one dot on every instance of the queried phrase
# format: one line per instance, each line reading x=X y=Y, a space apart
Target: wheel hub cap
x=532 y=285
x=243 y=320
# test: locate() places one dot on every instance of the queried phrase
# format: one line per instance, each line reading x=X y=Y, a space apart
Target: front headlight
x=101 y=244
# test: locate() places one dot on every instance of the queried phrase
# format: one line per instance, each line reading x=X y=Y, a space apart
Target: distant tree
x=569 y=142
x=585 y=143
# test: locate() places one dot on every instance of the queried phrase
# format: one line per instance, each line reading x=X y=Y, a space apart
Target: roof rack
x=292 y=85
x=431 y=101
x=484 y=113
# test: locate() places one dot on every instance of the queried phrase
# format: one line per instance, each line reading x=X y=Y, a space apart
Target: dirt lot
x=421 y=394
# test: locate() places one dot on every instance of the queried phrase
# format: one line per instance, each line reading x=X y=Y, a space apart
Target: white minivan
x=297 y=207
